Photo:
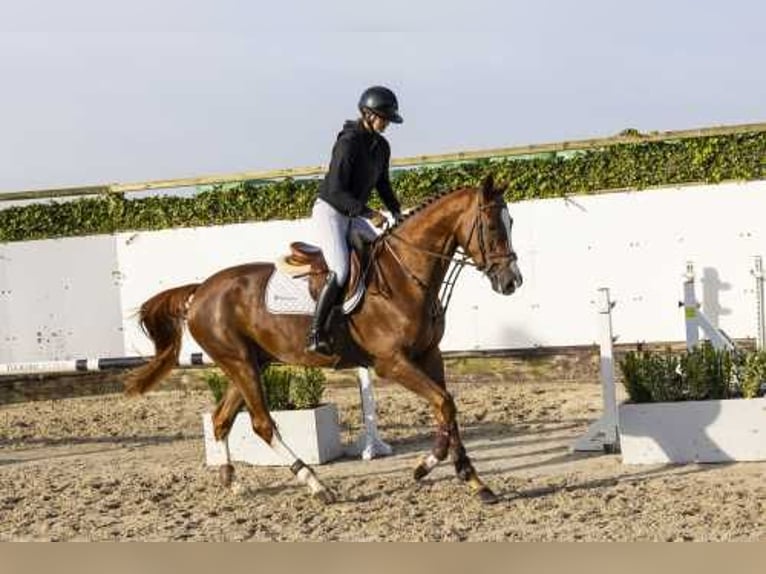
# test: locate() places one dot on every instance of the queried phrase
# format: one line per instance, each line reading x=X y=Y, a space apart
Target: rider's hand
x=377 y=218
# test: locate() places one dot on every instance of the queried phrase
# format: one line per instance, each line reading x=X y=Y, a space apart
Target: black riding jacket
x=359 y=163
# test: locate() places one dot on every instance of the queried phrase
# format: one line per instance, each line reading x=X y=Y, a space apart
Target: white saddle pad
x=286 y=295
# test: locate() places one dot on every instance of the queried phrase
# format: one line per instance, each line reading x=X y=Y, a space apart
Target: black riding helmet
x=381 y=101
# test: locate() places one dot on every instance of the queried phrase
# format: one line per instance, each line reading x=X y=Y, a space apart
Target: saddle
x=306 y=260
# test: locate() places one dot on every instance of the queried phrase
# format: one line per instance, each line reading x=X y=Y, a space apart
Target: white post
x=602 y=435
x=761 y=324
x=691 y=308
x=369 y=444
x=696 y=319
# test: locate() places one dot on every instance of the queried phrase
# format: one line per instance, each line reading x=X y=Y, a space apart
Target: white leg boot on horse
x=301 y=470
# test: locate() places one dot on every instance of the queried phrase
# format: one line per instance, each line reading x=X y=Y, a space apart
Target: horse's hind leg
x=226 y=411
x=223 y=418
x=242 y=368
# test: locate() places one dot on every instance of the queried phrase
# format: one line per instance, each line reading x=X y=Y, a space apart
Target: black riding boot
x=317 y=340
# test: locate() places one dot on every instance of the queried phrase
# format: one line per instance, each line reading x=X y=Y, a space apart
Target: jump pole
x=603 y=434
x=91 y=364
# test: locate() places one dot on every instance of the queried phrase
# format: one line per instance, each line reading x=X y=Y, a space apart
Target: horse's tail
x=162 y=318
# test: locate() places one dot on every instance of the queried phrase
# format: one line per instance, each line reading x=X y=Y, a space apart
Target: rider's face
x=378 y=123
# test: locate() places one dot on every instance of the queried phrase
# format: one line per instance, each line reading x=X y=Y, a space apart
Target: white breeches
x=332 y=229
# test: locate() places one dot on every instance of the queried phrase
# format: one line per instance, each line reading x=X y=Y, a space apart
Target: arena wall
x=72 y=298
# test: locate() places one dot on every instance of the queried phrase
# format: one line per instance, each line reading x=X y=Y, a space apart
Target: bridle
x=460 y=259
x=490 y=258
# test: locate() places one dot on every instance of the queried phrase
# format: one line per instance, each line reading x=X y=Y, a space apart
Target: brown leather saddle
x=306 y=260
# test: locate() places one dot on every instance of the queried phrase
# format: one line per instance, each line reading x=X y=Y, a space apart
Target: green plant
x=286 y=388
x=634 y=377
x=706 y=373
x=216 y=382
x=307 y=388
x=276 y=382
x=699 y=374
x=652 y=376
x=753 y=374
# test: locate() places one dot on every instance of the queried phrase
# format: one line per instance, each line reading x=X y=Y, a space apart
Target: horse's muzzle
x=505 y=280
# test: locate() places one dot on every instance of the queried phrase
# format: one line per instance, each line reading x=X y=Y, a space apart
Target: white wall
x=635 y=243
x=59 y=299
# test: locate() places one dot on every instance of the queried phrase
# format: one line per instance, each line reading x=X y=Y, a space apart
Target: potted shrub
x=294 y=395
x=703 y=405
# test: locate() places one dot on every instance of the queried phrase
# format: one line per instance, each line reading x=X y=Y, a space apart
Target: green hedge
x=636 y=166
x=703 y=373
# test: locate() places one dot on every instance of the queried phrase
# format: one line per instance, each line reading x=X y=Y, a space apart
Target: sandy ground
x=113 y=468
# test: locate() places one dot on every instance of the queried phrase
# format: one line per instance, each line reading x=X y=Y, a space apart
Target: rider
x=360 y=162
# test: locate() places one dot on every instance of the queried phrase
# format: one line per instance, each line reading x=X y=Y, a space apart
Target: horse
x=396 y=329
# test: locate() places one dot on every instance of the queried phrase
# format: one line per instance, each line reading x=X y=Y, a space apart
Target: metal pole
x=761 y=325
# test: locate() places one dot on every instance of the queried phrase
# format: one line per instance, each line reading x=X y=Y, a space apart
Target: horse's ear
x=489 y=189
x=488 y=186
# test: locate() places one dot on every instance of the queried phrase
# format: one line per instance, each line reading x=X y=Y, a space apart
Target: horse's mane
x=421 y=206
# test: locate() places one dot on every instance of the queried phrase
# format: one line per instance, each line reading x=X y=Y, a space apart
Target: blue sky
x=99 y=91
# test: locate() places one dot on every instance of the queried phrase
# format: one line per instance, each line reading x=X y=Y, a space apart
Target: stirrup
x=317 y=342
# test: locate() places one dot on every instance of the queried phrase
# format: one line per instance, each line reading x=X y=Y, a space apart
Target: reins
x=457 y=264
x=457 y=261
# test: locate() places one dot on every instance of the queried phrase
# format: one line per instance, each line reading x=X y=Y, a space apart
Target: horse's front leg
x=432 y=364
x=418 y=377
x=465 y=470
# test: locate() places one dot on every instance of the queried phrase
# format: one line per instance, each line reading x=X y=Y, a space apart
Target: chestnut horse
x=396 y=329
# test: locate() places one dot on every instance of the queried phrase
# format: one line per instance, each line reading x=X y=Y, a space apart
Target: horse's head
x=485 y=236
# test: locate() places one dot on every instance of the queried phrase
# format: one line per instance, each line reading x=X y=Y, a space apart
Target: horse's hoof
x=326 y=496
x=239 y=489
x=487 y=496
x=226 y=474
x=420 y=472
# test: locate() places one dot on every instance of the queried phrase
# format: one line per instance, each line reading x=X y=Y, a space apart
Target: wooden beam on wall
x=403 y=162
